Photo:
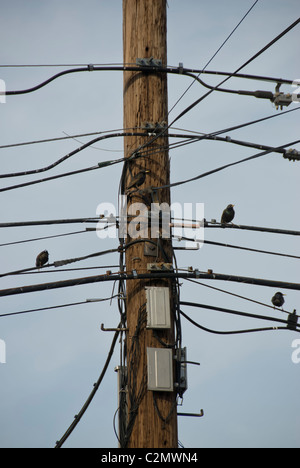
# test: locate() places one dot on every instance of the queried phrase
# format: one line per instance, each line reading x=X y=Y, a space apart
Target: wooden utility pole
x=152 y=416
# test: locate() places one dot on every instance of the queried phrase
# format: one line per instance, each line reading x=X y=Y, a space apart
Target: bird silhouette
x=228 y=214
x=278 y=299
x=138 y=180
x=42 y=259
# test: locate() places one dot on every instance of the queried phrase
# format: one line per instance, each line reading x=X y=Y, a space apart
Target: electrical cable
x=198 y=101
x=72 y=153
x=239 y=296
x=215 y=54
x=136 y=155
x=226 y=166
x=221 y=244
x=60 y=263
x=237 y=332
x=78 y=417
x=43 y=238
x=68 y=137
x=235 y=312
x=145 y=69
x=42 y=309
x=213 y=225
x=50 y=222
x=213 y=135
x=254 y=57
x=141 y=276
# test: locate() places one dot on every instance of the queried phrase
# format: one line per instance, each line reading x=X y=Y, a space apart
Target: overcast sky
x=247 y=385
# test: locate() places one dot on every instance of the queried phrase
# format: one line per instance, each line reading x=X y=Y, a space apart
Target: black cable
x=42 y=309
x=141 y=276
x=78 y=417
x=289 y=232
x=49 y=222
x=238 y=295
x=60 y=263
x=135 y=68
x=216 y=53
x=34 y=182
x=189 y=108
x=226 y=166
x=235 y=312
x=258 y=54
x=213 y=135
x=43 y=238
x=237 y=332
x=221 y=244
x=73 y=153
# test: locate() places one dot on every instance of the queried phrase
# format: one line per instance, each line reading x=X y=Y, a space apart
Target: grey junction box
x=160 y=369
x=158 y=308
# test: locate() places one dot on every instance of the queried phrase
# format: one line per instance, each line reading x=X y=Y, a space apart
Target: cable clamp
x=149 y=62
x=280 y=99
x=292 y=155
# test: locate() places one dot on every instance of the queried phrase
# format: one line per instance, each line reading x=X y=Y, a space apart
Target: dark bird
x=278 y=299
x=228 y=215
x=138 y=180
x=42 y=259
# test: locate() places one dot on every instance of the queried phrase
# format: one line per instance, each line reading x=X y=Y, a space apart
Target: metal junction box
x=158 y=308
x=160 y=369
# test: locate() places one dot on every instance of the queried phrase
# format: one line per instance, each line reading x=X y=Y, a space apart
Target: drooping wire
x=81 y=413
x=236 y=332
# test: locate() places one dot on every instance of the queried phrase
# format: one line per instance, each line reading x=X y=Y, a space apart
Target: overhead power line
x=226 y=166
x=138 y=276
x=146 y=69
x=254 y=57
x=221 y=244
x=231 y=75
x=235 y=312
x=235 y=332
x=62 y=306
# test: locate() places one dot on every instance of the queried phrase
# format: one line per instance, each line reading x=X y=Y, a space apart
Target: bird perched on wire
x=42 y=259
x=228 y=214
x=138 y=180
x=278 y=299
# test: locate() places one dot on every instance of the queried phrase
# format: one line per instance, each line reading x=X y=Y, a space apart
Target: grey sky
x=247 y=384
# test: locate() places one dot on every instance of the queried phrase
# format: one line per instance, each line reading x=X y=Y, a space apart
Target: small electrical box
x=160 y=369
x=181 y=371
x=158 y=308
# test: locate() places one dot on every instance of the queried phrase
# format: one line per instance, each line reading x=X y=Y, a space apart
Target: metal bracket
x=113 y=329
x=151 y=127
x=292 y=155
x=160 y=267
x=148 y=62
x=193 y=415
x=280 y=99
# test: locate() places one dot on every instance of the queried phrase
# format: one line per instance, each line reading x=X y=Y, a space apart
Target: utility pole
x=152 y=415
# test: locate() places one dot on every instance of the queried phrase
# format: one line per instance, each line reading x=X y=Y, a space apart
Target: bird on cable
x=138 y=180
x=228 y=214
x=42 y=259
x=278 y=299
